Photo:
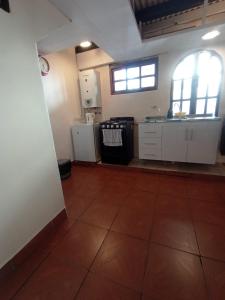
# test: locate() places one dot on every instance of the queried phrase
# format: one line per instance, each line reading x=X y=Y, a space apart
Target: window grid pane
x=133 y=84
x=148 y=70
x=187 y=88
x=133 y=73
x=211 y=106
x=120 y=74
x=177 y=86
x=120 y=86
x=147 y=82
x=200 y=106
x=186 y=107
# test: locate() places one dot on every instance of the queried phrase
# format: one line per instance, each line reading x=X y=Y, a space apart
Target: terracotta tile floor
x=130 y=235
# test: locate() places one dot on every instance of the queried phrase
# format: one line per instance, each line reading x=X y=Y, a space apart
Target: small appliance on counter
x=116 y=140
x=90 y=117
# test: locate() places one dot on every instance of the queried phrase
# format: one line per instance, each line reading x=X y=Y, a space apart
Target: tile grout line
x=89 y=268
x=149 y=241
x=200 y=257
x=29 y=277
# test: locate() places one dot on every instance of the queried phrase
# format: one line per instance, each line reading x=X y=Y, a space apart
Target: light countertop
x=194 y=119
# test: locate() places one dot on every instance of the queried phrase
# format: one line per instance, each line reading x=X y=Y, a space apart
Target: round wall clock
x=44 y=66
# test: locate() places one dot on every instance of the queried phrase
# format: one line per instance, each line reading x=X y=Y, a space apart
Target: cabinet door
x=84 y=143
x=174 y=142
x=203 y=141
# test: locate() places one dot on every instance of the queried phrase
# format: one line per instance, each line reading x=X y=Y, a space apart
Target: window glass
x=176 y=107
x=200 y=107
x=186 y=107
x=120 y=86
x=148 y=70
x=202 y=87
x=147 y=82
x=186 y=68
x=133 y=84
x=120 y=74
x=203 y=63
x=215 y=65
x=133 y=72
x=187 y=88
x=211 y=106
x=177 y=89
x=213 y=87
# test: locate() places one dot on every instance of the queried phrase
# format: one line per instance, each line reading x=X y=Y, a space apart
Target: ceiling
x=112 y=26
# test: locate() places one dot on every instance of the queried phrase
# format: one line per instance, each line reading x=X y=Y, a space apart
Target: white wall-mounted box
x=90 y=89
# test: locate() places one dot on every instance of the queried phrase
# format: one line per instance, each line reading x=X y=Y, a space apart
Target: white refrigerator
x=86 y=142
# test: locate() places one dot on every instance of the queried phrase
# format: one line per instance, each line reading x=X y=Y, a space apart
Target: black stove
x=118 y=153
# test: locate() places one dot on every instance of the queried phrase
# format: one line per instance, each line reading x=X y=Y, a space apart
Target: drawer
x=150 y=130
x=150 y=142
x=150 y=152
x=151 y=156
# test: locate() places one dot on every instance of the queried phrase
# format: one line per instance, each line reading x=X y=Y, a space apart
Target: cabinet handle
x=191 y=134
x=151 y=144
x=150 y=132
x=186 y=134
x=149 y=154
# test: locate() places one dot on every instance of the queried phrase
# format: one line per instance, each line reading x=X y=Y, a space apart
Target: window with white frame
x=196 y=84
x=135 y=76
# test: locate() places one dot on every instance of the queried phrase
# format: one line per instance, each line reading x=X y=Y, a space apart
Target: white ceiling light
x=85 y=44
x=211 y=35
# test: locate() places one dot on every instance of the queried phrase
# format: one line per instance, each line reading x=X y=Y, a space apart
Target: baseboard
x=23 y=254
x=155 y=171
x=84 y=163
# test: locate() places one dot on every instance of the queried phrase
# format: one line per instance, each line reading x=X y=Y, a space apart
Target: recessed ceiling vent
x=162 y=17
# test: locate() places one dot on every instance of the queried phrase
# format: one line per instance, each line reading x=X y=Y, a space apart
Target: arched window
x=196 y=84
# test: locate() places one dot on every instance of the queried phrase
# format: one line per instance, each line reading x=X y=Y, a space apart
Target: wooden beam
x=188 y=20
x=165 y=9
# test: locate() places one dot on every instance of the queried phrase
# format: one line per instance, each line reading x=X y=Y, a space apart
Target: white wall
x=63 y=99
x=30 y=188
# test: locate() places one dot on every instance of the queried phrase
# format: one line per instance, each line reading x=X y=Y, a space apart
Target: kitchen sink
x=155 y=119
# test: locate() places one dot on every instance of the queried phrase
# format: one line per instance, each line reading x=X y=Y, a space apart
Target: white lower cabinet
x=193 y=142
x=203 y=142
